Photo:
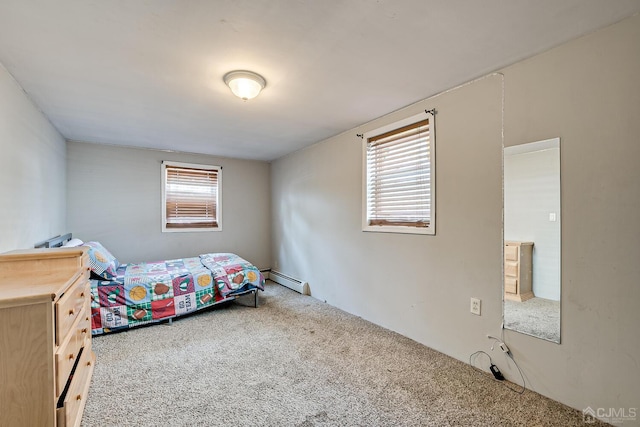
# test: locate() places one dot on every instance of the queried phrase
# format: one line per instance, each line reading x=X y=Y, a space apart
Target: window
x=398 y=186
x=191 y=197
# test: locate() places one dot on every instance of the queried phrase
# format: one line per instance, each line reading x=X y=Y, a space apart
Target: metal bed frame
x=54 y=242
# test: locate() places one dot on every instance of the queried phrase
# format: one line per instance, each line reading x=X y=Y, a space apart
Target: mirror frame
x=521 y=149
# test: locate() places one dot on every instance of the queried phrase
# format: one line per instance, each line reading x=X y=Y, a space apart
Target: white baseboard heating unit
x=290 y=282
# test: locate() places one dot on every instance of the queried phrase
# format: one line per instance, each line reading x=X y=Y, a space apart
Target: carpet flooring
x=295 y=361
x=537 y=317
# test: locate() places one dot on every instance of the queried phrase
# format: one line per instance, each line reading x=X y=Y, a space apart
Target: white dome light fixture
x=244 y=84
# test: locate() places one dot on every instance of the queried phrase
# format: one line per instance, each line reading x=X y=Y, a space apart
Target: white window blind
x=399 y=177
x=191 y=197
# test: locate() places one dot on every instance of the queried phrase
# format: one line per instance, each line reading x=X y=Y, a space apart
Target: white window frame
x=431 y=228
x=166 y=163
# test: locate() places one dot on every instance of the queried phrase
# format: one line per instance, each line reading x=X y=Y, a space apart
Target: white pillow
x=73 y=243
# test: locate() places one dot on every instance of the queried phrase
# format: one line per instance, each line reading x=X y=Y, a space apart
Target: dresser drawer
x=65 y=359
x=83 y=331
x=69 y=414
x=510 y=285
x=68 y=352
x=511 y=269
x=68 y=307
x=511 y=253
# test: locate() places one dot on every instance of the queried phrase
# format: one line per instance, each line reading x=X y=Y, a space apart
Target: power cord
x=505 y=349
x=479 y=352
x=521 y=376
x=496 y=372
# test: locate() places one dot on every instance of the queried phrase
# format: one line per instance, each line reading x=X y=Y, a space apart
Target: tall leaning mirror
x=531 y=285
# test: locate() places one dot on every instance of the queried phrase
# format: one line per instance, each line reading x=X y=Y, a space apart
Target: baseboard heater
x=291 y=283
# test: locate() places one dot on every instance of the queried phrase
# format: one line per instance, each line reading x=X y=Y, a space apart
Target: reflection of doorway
x=532 y=209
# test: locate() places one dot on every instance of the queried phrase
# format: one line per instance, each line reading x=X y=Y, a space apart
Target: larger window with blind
x=191 y=197
x=399 y=181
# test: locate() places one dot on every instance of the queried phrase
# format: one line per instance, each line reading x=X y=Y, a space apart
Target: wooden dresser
x=46 y=361
x=518 y=270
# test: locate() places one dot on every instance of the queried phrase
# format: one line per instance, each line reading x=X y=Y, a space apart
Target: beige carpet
x=295 y=361
x=537 y=317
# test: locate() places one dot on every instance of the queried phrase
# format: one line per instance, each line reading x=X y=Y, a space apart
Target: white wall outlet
x=475 y=306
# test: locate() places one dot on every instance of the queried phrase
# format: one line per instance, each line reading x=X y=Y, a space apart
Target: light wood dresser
x=46 y=361
x=518 y=271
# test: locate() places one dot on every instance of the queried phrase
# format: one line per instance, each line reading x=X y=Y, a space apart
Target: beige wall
x=418 y=285
x=114 y=196
x=586 y=92
x=32 y=171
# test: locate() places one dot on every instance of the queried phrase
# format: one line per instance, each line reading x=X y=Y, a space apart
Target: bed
x=130 y=295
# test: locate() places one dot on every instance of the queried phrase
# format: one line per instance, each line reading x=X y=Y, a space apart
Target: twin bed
x=129 y=295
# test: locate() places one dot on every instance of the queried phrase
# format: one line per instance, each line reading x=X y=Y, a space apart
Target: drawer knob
x=85 y=330
x=71 y=312
x=82 y=295
x=71 y=357
x=88 y=363
x=79 y=397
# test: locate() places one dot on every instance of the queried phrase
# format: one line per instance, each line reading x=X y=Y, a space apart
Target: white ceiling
x=148 y=73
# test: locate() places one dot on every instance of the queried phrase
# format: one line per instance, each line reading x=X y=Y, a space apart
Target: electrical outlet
x=475 y=306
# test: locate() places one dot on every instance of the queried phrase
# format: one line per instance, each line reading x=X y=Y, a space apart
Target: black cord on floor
x=504 y=383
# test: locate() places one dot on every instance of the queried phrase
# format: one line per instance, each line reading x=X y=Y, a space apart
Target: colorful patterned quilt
x=150 y=292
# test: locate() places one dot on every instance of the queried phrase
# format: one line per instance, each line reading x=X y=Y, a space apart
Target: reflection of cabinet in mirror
x=518 y=269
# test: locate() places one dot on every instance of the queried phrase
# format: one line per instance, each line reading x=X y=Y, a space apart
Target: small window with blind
x=399 y=180
x=191 y=197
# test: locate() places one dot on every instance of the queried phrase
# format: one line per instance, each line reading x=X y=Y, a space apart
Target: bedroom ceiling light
x=244 y=84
